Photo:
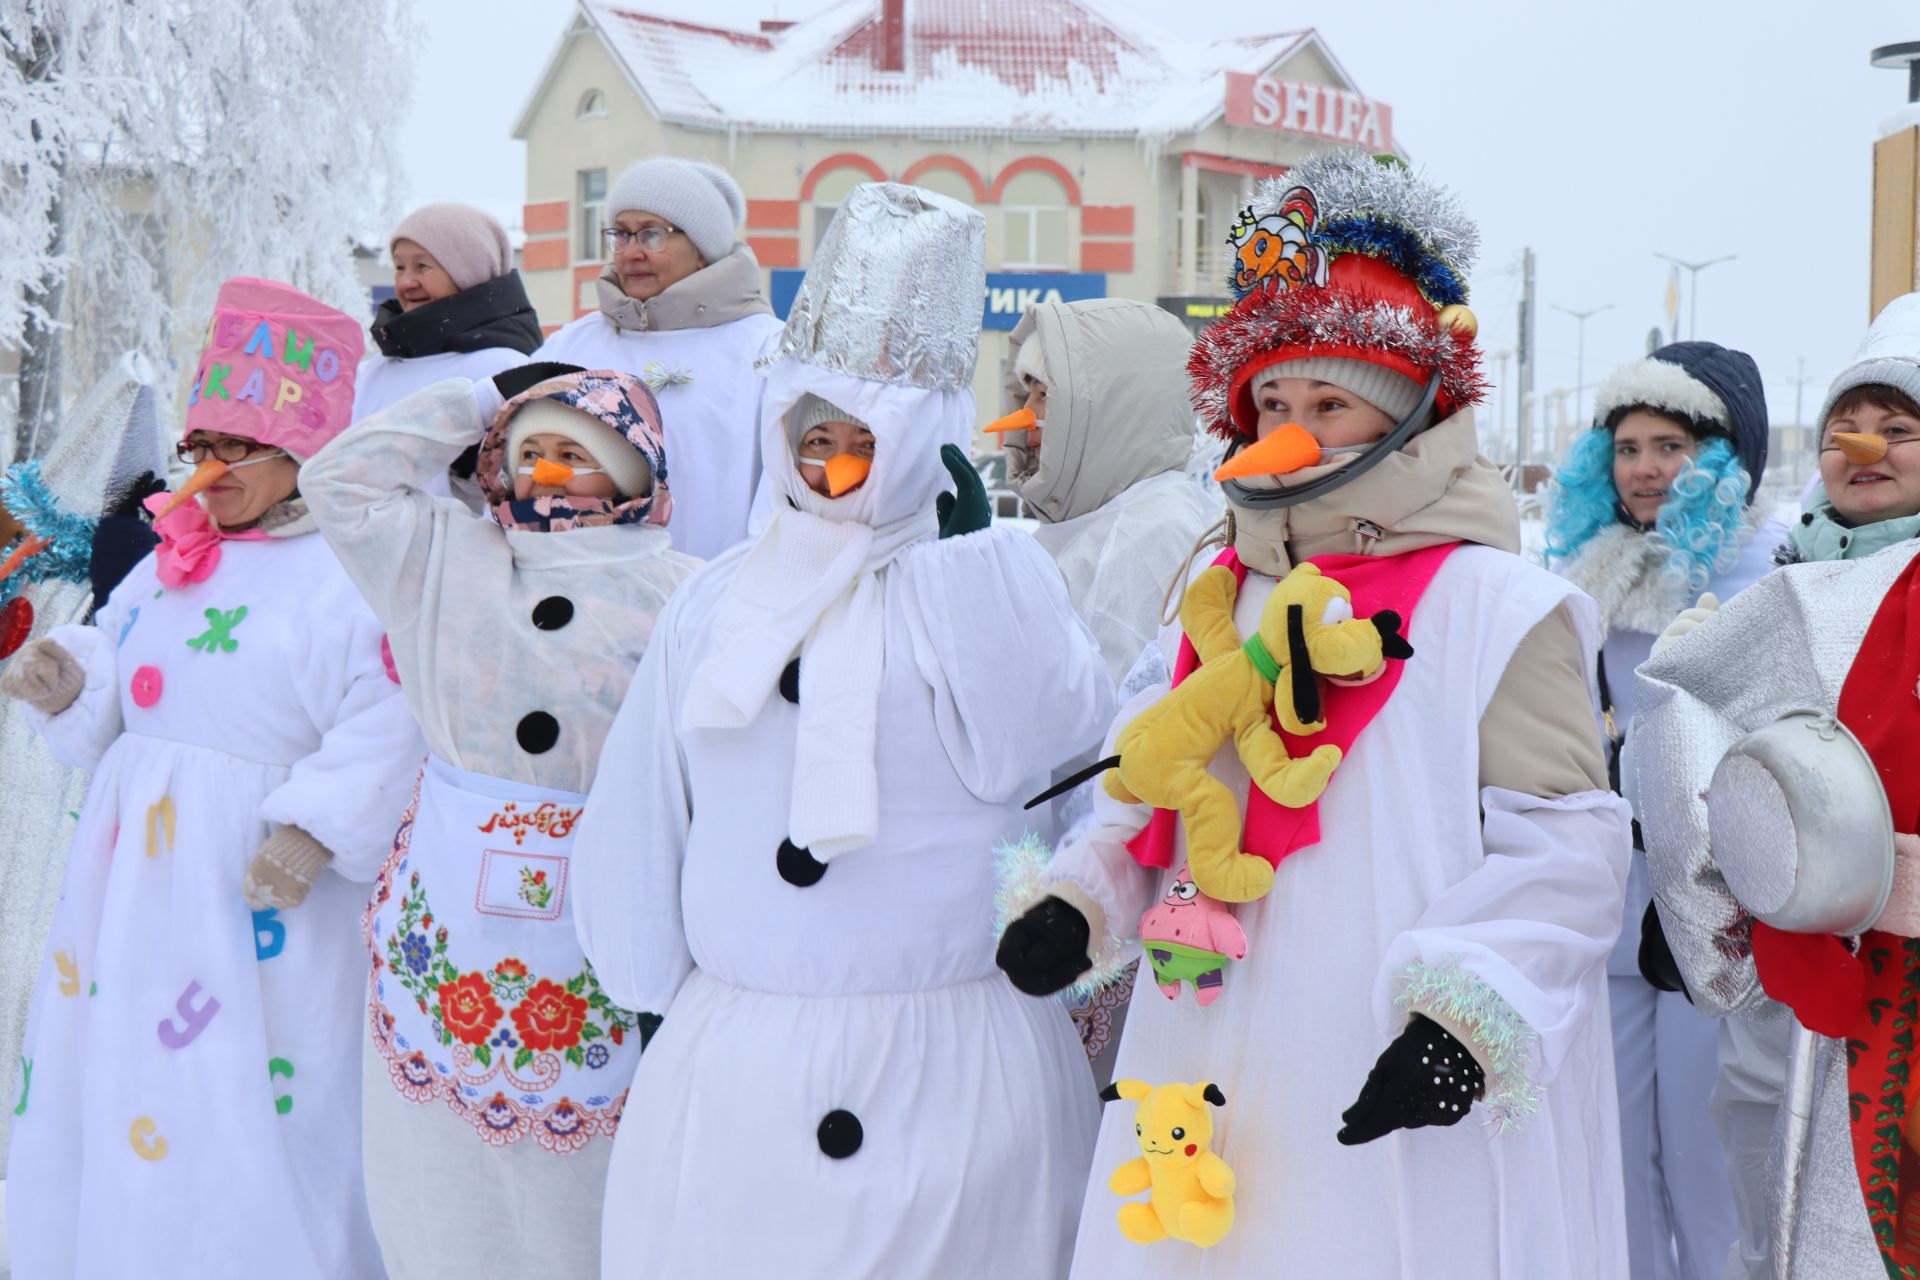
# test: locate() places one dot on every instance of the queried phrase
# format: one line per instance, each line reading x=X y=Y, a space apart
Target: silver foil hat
x=109 y=441
x=895 y=290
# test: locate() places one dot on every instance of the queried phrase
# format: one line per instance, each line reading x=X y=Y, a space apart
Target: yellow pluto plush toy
x=1306 y=627
x=1192 y=1197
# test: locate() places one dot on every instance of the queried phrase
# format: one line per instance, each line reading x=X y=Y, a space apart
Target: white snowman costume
x=495 y=1102
x=195 y=1068
x=844 y=1084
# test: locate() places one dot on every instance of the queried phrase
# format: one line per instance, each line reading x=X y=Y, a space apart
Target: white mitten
x=1902 y=913
x=1704 y=608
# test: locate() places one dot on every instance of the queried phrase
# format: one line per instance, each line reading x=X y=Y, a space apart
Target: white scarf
x=813 y=584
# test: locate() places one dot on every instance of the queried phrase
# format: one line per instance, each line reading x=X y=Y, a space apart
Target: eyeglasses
x=652 y=239
x=227 y=449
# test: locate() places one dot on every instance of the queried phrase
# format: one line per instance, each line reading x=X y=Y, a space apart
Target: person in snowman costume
x=497 y=1067
x=790 y=837
x=187 y=1106
x=1432 y=940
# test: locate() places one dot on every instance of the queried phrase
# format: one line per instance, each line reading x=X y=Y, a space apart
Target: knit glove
x=1655 y=956
x=284 y=869
x=1425 y=1077
x=44 y=676
x=1705 y=607
x=1046 y=949
x=509 y=383
x=966 y=510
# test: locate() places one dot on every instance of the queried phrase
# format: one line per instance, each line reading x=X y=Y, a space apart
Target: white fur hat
x=614 y=452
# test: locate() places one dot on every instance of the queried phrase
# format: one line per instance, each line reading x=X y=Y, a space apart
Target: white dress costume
x=844 y=1084
x=194 y=1065
x=695 y=344
x=495 y=633
x=112 y=440
x=1506 y=902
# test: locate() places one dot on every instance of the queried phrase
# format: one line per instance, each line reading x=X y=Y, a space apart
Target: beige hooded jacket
x=1118 y=513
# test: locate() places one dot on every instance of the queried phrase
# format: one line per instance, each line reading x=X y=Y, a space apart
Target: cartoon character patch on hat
x=1280 y=246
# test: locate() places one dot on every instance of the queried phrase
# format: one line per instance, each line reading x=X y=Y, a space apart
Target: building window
x=593 y=105
x=591 y=197
x=946 y=182
x=827 y=195
x=1033 y=210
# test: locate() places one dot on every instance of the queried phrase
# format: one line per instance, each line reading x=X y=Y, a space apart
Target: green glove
x=967 y=510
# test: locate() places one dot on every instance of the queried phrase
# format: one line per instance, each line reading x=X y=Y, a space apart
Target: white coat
x=845 y=1085
x=194 y=1064
x=1417 y=862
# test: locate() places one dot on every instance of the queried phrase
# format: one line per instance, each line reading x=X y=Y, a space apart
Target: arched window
x=946 y=182
x=1033 y=208
x=593 y=105
x=829 y=191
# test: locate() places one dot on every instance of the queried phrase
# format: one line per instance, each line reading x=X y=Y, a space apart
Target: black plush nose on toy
x=1392 y=643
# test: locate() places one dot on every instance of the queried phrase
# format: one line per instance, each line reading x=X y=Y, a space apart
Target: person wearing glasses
x=683 y=307
x=194 y=1035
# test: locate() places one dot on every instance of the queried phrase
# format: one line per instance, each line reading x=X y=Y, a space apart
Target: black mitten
x=1045 y=949
x=511 y=382
x=1425 y=1077
x=1657 y=964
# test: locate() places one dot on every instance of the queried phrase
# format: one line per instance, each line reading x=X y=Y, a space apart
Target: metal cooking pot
x=1800 y=827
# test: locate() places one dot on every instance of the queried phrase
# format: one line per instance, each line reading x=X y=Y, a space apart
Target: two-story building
x=1109 y=160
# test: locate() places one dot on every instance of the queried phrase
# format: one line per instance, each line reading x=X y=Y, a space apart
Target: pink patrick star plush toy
x=1190 y=937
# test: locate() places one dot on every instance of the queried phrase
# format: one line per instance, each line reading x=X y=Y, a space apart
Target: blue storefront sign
x=1009 y=293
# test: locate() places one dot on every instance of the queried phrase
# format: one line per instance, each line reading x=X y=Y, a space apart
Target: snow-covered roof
x=971 y=66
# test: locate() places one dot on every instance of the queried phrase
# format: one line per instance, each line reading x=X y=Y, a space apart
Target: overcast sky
x=1679 y=126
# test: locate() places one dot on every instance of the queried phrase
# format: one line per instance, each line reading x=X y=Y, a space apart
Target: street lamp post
x=1693 y=295
x=1580 y=351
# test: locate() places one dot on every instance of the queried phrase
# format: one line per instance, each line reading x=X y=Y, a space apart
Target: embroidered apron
x=481 y=996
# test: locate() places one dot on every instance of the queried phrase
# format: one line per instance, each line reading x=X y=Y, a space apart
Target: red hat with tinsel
x=1347 y=257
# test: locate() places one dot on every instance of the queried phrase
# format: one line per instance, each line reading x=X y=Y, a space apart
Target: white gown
x=845 y=1085
x=1417 y=863
x=190 y=1108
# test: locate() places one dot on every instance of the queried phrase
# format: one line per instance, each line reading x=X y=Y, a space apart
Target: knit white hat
x=1392 y=393
x=702 y=200
x=812 y=411
x=616 y=455
x=1031 y=364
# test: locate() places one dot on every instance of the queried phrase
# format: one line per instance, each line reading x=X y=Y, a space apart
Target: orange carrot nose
x=203 y=476
x=551 y=474
x=1018 y=420
x=1860 y=448
x=29 y=548
x=1287 y=448
x=846 y=472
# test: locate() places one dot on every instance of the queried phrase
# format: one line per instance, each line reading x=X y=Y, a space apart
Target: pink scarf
x=189 y=549
x=1377 y=582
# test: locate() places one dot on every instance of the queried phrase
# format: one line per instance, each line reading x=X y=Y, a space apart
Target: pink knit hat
x=277 y=367
x=465 y=240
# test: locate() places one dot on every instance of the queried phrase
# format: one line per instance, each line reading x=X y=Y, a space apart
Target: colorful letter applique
x=141 y=1134
x=160 y=816
x=218 y=637
x=194 y=1018
x=282 y=1103
x=269 y=935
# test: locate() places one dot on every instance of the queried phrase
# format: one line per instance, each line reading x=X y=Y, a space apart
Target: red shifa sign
x=1316 y=110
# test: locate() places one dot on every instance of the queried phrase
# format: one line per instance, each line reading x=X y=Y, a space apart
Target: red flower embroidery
x=468 y=1010
x=550 y=1017
x=511 y=968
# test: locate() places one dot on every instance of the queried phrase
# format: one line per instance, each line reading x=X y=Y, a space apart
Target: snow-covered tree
x=151 y=148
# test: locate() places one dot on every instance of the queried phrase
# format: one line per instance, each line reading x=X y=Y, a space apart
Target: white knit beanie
x=811 y=411
x=702 y=200
x=1394 y=394
x=615 y=454
x=1031 y=364
x=466 y=241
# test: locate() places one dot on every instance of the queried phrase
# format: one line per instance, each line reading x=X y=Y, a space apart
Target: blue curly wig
x=1700 y=524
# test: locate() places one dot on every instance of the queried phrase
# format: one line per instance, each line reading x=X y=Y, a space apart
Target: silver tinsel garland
x=1349 y=181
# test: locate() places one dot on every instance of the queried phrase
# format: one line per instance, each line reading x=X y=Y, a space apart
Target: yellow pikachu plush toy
x=1192 y=1187
x=1307 y=628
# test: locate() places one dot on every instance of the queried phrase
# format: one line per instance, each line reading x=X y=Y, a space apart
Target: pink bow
x=189 y=549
